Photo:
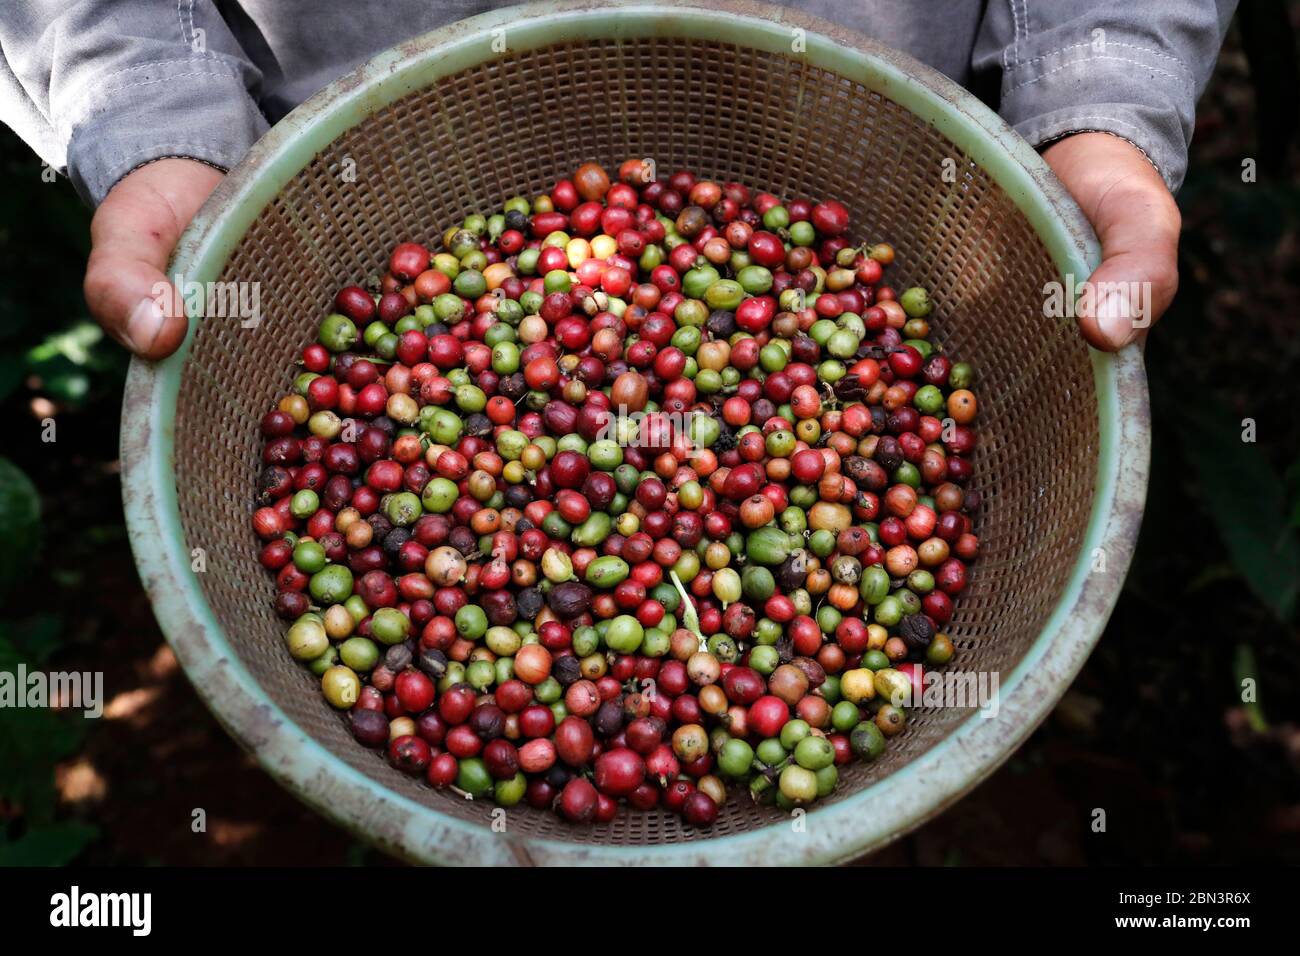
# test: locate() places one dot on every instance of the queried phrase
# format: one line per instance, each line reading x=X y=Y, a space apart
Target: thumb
x=1138 y=275
x=133 y=233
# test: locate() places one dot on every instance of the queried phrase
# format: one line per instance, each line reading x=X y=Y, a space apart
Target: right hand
x=1138 y=224
x=132 y=236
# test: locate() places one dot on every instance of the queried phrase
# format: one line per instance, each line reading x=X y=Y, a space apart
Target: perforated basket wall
x=513 y=125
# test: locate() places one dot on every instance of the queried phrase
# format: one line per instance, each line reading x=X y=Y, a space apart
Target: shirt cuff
x=1115 y=92
x=195 y=110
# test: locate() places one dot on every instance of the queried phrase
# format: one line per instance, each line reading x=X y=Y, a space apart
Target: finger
x=133 y=234
x=1138 y=275
x=133 y=301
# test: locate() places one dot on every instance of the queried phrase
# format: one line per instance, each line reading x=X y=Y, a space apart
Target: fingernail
x=1116 y=319
x=144 y=325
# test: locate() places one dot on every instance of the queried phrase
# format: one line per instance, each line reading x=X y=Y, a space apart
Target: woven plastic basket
x=506 y=103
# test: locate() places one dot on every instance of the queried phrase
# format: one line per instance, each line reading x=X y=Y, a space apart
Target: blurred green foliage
x=53 y=364
x=20 y=524
x=1247 y=502
x=32 y=743
x=46 y=337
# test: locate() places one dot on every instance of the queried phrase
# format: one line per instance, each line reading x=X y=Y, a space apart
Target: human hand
x=1137 y=222
x=132 y=236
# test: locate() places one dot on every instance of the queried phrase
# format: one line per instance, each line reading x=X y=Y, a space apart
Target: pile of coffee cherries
x=642 y=490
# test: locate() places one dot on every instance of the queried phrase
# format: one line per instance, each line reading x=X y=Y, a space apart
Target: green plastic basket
x=504 y=103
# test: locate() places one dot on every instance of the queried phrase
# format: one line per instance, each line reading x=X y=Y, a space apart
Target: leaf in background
x=76 y=345
x=1293 y=475
x=52 y=845
x=11 y=374
x=69 y=386
x=1247 y=502
x=69 y=363
x=32 y=742
x=30 y=641
x=1293 y=486
x=20 y=524
x=1211 y=575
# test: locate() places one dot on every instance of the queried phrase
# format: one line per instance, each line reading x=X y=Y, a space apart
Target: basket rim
x=898 y=802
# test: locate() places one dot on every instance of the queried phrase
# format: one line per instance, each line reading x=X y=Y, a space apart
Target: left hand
x=1137 y=223
x=132 y=236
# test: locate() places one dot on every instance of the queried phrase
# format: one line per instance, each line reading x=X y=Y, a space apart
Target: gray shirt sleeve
x=99 y=87
x=1134 y=68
